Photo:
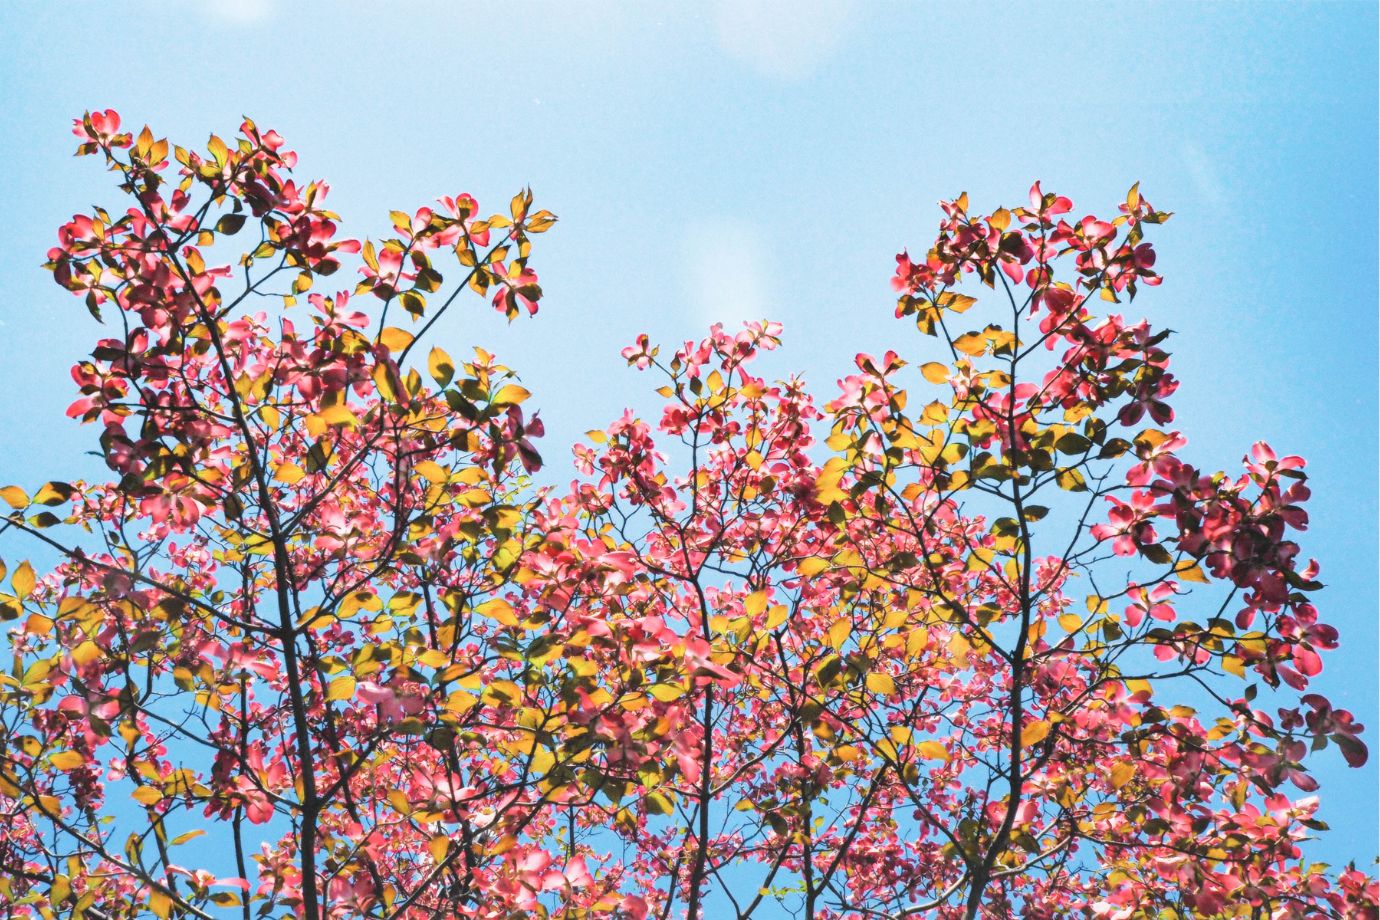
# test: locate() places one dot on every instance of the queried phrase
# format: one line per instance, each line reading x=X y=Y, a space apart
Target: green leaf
x=230 y=224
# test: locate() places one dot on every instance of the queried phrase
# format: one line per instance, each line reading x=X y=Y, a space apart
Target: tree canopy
x=969 y=636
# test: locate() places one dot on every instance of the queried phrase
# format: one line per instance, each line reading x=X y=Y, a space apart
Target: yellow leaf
x=434 y=658
x=289 y=473
x=971 y=343
x=847 y=752
x=15 y=497
x=146 y=795
x=510 y=395
x=839 y=440
x=502 y=693
x=667 y=692
x=342 y=688
x=955 y=302
x=1191 y=571
x=338 y=415
x=395 y=339
x=1135 y=686
x=502 y=845
x=1034 y=733
x=658 y=804
x=440 y=366
x=459 y=701
x=352 y=603
x=404 y=602
x=218 y=150
x=23 y=580
x=498 y=609
x=438 y=846
x=474 y=498
x=935 y=372
x=755 y=603
x=53 y=493
x=881 y=683
x=67 y=760
x=1122 y=773
x=932 y=750
x=387 y=382
x=777 y=615
x=980 y=560
x=827 y=489
x=400 y=802
x=936 y=413
x=160 y=903
x=839 y=631
x=1070 y=480
x=812 y=566
x=432 y=471
x=183 y=838
x=1070 y=622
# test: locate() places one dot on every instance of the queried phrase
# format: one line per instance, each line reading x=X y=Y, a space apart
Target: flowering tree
x=280 y=626
x=994 y=649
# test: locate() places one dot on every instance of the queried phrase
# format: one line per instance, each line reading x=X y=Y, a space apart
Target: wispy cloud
x=785 y=39
x=726 y=273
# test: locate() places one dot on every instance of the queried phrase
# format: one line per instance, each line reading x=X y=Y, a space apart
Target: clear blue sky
x=740 y=158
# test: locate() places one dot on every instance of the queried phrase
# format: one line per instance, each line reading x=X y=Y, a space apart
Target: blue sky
x=743 y=158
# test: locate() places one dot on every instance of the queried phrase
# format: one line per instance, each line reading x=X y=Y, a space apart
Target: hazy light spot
x=787 y=39
x=239 y=12
x=1205 y=177
x=726 y=274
